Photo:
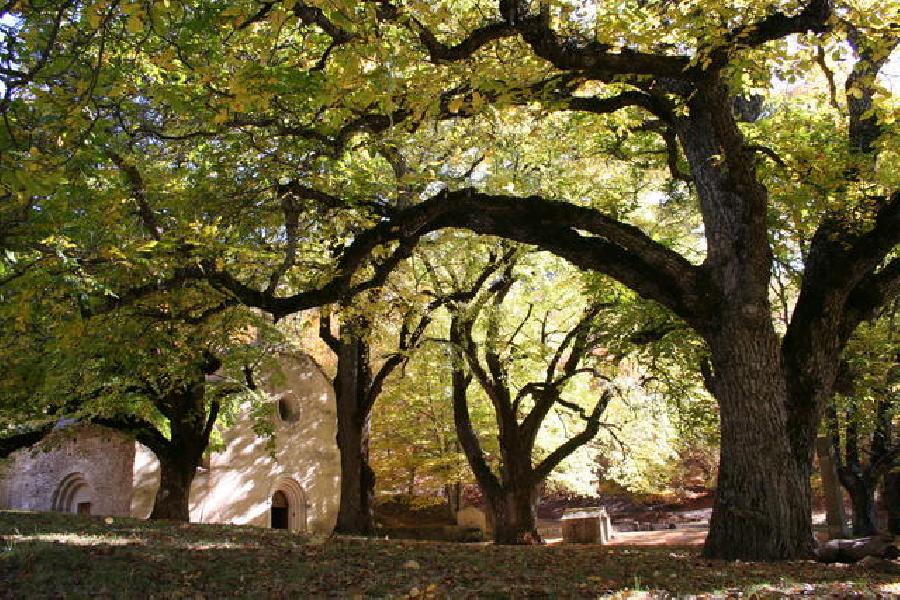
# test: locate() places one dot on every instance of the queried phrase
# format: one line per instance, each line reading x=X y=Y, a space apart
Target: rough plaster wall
x=105 y=457
x=145 y=481
x=243 y=477
x=238 y=486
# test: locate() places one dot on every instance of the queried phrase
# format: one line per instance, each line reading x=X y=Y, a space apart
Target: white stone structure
x=292 y=483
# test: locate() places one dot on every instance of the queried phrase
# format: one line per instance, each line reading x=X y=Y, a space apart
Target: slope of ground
x=56 y=555
x=401 y=510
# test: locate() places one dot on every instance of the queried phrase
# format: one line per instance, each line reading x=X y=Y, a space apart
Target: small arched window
x=288 y=409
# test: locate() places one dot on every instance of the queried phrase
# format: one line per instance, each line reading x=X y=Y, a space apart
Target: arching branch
x=23 y=439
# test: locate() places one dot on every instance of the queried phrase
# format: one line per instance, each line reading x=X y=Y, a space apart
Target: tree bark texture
x=892 y=501
x=862 y=496
x=190 y=424
x=514 y=512
x=176 y=474
x=356 y=512
x=512 y=502
x=763 y=498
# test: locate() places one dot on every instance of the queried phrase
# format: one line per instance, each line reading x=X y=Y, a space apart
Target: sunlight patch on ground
x=74 y=539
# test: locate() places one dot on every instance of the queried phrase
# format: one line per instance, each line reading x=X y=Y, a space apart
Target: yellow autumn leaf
x=93 y=18
x=278 y=18
x=166 y=60
x=135 y=24
x=477 y=102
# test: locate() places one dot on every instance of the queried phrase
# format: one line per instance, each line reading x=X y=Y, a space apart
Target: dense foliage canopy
x=734 y=166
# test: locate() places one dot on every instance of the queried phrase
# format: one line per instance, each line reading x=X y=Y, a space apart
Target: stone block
x=586 y=526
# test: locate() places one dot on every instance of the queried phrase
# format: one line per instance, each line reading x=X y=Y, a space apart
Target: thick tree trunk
x=190 y=427
x=176 y=473
x=356 y=512
x=763 y=508
x=892 y=501
x=514 y=513
x=514 y=505
x=831 y=486
x=763 y=501
x=453 y=491
x=511 y=504
x=862 y=496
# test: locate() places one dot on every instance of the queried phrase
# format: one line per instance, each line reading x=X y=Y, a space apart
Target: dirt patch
x=671 y=537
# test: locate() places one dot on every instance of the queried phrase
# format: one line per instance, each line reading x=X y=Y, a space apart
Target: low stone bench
x=586 y=526
x=474 y=518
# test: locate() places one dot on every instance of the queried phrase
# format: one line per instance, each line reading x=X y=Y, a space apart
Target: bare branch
x=291 y=223
x=139 y=192
x=325 y=334
x=591 y=428
x=829 y=76
x=468 y=438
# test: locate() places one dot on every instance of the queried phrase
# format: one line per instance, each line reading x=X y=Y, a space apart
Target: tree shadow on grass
x=52 y=555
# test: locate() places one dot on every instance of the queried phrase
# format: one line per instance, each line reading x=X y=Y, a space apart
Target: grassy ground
x=56 y=555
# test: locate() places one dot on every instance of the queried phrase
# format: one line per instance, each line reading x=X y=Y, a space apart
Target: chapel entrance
x=287 y=505
x=73 y=495
x=281 y=518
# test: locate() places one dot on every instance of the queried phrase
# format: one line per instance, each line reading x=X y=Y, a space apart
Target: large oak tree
x=326 y=77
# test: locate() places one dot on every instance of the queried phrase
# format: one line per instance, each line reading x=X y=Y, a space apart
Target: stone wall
x=118 y=476
x=73 y=466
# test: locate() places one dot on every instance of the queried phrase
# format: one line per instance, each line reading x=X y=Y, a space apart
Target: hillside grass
x=57 y=555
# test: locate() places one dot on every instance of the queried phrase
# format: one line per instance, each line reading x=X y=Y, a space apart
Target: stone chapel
x=293 y=483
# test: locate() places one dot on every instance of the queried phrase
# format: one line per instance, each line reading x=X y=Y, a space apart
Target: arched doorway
x=281 y=517
x=288 y=506
x=73 y=495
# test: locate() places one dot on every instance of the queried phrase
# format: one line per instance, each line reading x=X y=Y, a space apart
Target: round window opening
x=288 y=409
